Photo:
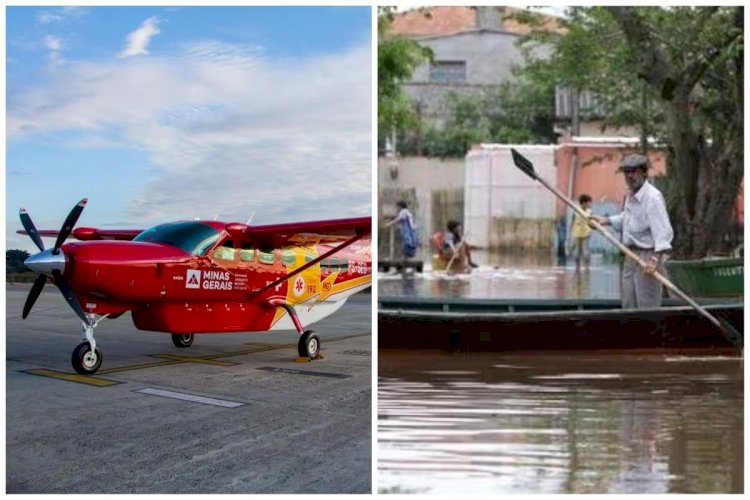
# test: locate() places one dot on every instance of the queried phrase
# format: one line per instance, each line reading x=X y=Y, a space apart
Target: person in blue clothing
x=407 y=230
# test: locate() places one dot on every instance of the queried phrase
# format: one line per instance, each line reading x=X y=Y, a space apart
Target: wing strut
x=308 y=264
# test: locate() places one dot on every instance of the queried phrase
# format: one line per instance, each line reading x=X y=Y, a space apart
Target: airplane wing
x=275 y=235
x=90 y=233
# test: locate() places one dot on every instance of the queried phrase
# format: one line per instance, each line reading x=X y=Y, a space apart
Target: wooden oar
x=725 y=326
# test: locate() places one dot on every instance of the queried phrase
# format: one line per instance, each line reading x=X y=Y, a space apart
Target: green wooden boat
x=710 y=277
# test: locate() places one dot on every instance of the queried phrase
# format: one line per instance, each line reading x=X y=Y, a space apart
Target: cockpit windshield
x=193 y=237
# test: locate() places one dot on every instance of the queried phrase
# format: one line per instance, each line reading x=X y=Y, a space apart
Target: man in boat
x=646 y=231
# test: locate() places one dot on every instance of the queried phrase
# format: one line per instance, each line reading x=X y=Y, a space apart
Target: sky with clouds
x=165 y=113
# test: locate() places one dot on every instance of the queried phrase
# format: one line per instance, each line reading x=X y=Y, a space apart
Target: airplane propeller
x=51 y=262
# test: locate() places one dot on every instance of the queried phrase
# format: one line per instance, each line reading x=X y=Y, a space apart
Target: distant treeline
x=15 y=270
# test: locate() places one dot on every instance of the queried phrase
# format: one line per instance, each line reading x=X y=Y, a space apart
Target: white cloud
x=226 y=129
x=138 y=40
x=55 y=45
x=47 y=17
x=59 y=15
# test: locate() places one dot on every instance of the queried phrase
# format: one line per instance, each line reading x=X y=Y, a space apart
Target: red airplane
x=193 y=277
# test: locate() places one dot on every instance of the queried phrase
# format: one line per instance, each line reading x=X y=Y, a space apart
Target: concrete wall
x=433 y=188
x=496 y=190
x=489 y=55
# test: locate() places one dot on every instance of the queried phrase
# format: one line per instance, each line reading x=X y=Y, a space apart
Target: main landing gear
x=309 y=342
x=185 y=340
x=87 y=357
x=309 y=345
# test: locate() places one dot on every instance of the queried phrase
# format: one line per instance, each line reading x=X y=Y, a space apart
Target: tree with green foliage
x=677 y=74
x=521 y=112
x=15 y=270
x=398 y=57
x=14 y=261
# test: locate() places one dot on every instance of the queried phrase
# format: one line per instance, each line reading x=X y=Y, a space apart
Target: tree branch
x=653 y=67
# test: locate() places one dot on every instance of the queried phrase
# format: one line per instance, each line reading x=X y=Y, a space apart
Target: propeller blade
x=67 y=226
x=69 y=297
x=36 y=289
x=30 y=228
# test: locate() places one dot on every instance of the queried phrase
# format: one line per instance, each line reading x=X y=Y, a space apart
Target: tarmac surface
x=233 y=413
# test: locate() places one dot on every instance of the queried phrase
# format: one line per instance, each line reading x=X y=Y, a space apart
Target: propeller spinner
x=51 y=262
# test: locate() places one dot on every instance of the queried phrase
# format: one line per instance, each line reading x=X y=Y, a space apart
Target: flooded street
x=551 y=422
x=594 y=421
x=519 y=276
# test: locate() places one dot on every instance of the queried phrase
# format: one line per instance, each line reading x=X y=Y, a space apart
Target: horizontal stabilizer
x=90 y=233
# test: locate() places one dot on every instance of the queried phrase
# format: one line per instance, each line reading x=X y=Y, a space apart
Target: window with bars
x=448 y=71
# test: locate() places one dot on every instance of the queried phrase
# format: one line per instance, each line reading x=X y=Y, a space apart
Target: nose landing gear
x=87 y=357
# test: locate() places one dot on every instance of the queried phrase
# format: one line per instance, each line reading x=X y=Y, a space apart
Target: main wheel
x=309 y=344
x=183 y=340
x=84 y=360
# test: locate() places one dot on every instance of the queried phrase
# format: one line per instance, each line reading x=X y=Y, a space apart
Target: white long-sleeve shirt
x=644 y=220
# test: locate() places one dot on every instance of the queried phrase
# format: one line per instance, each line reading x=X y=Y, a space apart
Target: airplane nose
x=45 y=262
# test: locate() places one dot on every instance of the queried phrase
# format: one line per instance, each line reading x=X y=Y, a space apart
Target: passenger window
x=289 y=257
x=267 y=255
x=343 y=265
x=247 y=252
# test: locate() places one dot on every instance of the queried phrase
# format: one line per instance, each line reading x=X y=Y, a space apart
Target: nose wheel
x=84 y=360
x=87 y=357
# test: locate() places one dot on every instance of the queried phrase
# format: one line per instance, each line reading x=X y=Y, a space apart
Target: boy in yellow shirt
x=581 y=233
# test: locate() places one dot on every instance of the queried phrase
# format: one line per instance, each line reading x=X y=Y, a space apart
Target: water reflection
x=646 y=422
x=522 y=276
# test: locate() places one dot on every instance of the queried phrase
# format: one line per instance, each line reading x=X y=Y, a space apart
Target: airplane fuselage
x=226 y=289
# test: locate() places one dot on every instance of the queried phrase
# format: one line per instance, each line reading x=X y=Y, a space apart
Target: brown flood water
x=560 y=422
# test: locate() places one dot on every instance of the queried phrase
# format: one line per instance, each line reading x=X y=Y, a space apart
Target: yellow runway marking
x=138 y=367
x=189 y=359
x=81 y=379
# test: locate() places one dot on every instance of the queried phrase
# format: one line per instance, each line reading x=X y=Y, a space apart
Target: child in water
x=581 y=232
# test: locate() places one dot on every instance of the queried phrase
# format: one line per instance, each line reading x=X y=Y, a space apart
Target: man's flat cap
x=633 y=161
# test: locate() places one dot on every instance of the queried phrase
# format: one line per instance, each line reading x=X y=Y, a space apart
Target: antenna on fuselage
x=251 y=218
x=216 y=217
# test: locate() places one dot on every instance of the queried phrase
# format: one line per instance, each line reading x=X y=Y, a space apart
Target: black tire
x=84 y=361
x=309 y=344
x=183 y=340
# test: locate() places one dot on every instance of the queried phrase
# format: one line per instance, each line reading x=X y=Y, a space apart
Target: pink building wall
x=596 y=173
x=597 y=176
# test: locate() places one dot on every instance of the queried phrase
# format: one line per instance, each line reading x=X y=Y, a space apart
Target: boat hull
x=719 y=277
x=534 y=325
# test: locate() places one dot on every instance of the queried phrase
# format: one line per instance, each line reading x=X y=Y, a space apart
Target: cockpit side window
x=191 y=236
